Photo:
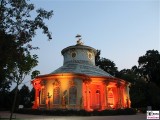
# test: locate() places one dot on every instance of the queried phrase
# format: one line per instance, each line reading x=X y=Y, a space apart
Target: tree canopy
x=149 y=66
x=105 y=64
x=17 y=29
x=144 y=78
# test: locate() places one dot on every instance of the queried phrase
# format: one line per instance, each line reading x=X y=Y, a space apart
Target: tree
x=35 y=73
x=24 y=94
x=144 y=90
x=18 y=28
x=12 y=96
x=105 y=64
x=6 y=49
x=108 y=66
x=32 y=97
x=149 y=69
x=5 y=98
x=97 y=58
x=138 y=94
x=23 y=66
x=149 y=66
x=137 y=88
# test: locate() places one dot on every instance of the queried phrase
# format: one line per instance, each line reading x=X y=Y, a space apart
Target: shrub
x=66 y=112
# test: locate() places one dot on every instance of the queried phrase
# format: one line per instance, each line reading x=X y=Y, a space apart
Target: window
x=56 y=95
x=73 y=54
x=90 y=55
x=110 y=98
x=72 y=95
x=43 y=96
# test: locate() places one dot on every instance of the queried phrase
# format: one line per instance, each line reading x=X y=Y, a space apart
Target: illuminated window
x=43 y=96
x=110 y=98
x=72 y=95
x=56 y=95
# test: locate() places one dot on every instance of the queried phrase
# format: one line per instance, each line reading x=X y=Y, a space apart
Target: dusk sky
x=122 y=29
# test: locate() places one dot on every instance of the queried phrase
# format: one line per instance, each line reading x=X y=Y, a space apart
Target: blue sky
x=122 y=29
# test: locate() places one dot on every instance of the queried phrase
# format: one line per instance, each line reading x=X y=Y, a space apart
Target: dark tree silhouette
x=149 y=66
x=17 y=29
x=105 y=64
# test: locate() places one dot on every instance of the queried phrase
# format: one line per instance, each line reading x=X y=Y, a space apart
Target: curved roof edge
x=111 y=79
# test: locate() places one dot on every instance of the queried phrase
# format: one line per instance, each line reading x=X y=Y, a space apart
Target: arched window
x=72 y=95
x=56 y=95
x=110 y=98
x=97 y=97
x=42 y=96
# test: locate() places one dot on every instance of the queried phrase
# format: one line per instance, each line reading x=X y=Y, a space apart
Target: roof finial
x=79 y=42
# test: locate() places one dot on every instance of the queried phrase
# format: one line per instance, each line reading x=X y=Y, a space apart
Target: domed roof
x=80 y=58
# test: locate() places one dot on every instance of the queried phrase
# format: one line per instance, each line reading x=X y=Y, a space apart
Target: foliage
x=17 y=28
x=144 y=78
x=7 y=47
x=24 y=94
x=149 y=69
x=97 y=57
x=66 y=112
x=23 y=66
x=35 y=73
x=153 y=95
x=137 y=88
x=25 y=97
x=138 y=94
x=11 y=99
x=32 y=97
x=5 y=101
x=149 y=66
x=105 y=64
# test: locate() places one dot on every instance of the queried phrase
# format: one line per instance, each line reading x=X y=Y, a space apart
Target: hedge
x=66 y=112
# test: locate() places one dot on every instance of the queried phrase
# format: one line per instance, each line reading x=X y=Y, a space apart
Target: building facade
x=79 y=84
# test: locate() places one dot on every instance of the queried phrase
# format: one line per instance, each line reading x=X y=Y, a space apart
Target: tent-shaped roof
x=82 y=69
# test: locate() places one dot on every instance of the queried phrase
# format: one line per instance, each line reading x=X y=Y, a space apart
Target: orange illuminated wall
x=90 y=94
x=93 y=96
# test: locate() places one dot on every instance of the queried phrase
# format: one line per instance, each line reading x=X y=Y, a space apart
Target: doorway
x=110 y=98
x=98 y=100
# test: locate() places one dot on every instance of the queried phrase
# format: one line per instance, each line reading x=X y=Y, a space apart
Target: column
x=35 y=106
x=87 y=97
x=122 y=96
x=118 y=95
x=104 y=97
x=107 y=96
x=87 y=82
x=128 y=96
x=106 y=83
